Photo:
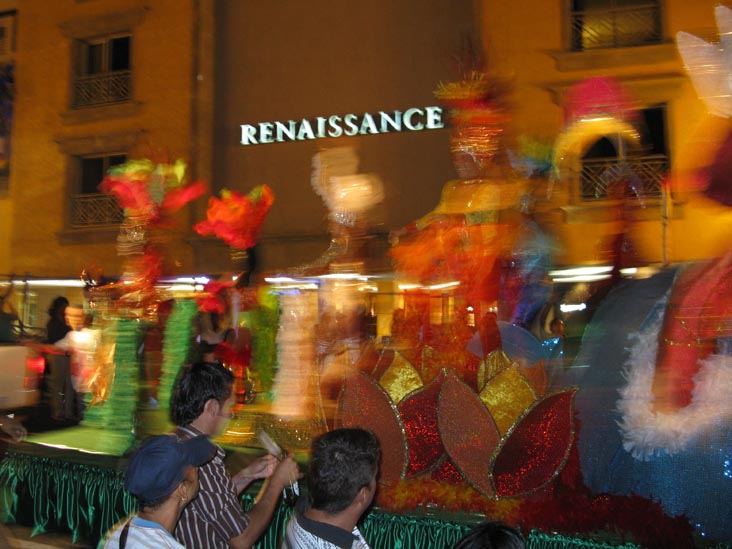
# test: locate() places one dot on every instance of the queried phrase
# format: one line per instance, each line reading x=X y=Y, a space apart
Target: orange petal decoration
x=468 y=432
x=536 y=449
x=418 y=411
x=364 y=404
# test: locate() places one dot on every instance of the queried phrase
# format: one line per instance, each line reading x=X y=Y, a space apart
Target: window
x=7 y=32
x=599 y=24
x=611 y=170
x=89 y=207
x=104 y=71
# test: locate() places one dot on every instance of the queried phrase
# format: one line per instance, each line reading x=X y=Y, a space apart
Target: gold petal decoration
x=400 y=379
x=536 y=376
x=506 y=396
x=468 y=432
x=366 y=405
x=495 y=362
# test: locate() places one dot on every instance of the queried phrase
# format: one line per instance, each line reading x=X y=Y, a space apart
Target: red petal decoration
x=468 y=432
x=447 y=473
x=418 y=411
x=365 y=404
x=386 y=357
x=536 y=449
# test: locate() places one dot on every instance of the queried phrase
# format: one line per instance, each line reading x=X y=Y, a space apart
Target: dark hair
x=341 y=463
x=196 y=385
x=491 y=535
x=59 y=304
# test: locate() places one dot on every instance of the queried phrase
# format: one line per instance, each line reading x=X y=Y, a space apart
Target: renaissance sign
x=413 y=120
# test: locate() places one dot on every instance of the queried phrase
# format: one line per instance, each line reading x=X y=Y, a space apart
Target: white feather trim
x=646 y=432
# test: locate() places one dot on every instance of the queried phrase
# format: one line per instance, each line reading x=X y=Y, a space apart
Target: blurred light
x=582 y=271
x=344 y=276
x=57 y=283
x=444 y=286
x=409 y=286
x=582 y=278
x=572 y=307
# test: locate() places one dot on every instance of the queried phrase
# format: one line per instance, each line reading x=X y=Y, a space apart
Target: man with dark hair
x=163 y=475
x=342 y=483
x=201 y=404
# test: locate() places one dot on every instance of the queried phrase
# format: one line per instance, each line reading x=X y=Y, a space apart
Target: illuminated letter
x=334 y=123
x=265 y=132
x=434 y=118
x=305 y=131
x=350 y=120
x=285 y=133
x=248 y=135
x=367 y=125
x=408 y=120
x=395 y=123
x=321 y=127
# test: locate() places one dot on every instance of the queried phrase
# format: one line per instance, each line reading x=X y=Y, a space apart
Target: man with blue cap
x=163 y=475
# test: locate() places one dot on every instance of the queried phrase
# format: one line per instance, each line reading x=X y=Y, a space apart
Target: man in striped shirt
x=201 y=404
x=342 y=484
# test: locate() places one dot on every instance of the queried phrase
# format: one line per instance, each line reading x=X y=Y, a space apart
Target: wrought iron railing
x=102 y=89
x=637 y=25
x=94 y=210
x=638 y=176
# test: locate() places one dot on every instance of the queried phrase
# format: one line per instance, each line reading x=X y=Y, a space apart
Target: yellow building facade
x=97 y=83
x=546 y=47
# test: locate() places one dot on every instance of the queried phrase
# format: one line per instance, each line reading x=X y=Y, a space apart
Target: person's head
x=58 y=308
x=556 y=327
x=165 y=466
x=491 y=535
x=203 y=389
x=343 y=468
x=75 y=316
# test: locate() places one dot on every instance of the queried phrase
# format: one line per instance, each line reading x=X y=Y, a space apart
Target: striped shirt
x=142 y=534
x=215 y=516
x=305 y=533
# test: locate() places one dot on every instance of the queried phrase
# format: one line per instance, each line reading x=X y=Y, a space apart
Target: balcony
x=102 y=89
x=617 y=27
x=641 y=177
x=94 y=210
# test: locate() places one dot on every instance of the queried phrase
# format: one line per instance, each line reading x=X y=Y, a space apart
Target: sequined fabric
x=468 y=432
x=400 y=379
x=419 y=416
x=506 y=396
x=364 y=404
x=536 y=449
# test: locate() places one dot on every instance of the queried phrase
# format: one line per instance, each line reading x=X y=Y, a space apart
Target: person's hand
x=262 y=467
x=13 y=428
x=286 y=472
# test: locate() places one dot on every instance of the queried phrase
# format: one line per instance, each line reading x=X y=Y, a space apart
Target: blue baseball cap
x=159 y=465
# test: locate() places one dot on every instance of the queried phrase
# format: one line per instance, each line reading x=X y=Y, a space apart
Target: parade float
x=479 y=413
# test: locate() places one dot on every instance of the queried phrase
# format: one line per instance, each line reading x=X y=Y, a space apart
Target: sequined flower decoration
x=235 y=218
x=213 y=297
x=151 y=192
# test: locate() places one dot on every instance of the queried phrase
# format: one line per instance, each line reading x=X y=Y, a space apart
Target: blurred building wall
x=530 y=43
x=51 y=132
